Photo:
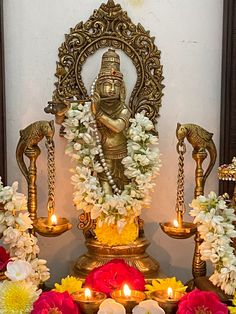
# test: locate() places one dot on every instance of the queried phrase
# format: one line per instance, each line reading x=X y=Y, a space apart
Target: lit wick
x=170 y=293
x=175 y=223
x=54 y=220
x=127 y=291
x=87 y=293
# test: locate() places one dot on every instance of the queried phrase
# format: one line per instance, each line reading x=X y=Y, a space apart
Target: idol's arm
x=116 y=125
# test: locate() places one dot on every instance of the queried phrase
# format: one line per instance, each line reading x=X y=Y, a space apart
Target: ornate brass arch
x=110 y=26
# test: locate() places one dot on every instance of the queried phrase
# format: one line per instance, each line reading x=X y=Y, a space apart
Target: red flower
x=203 y=302
x=4 y=258
x=113 y=275
x=55 y=302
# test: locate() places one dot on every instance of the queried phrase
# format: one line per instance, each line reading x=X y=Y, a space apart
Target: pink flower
x=4 y=258
x=203 y=302
x=113 y=275
x=55 y=302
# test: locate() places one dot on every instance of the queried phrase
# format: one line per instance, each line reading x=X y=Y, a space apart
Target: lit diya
x=167 y=299
x=128 y=298
x=88 y=301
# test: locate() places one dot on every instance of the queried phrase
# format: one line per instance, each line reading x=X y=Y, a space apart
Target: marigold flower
x=69 y=284
x=165 y=283
x=127 y=235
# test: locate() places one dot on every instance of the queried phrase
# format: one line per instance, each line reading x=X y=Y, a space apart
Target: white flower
x=11 y=235
x=86 y=160
x=18 y=270
x=40 y=272
x=110 y=306
x=9 y=218
x=2 y=217
x=24 y=221
x=6 y=194
x=77 y=146
x=148 y=307
x=97 y=167
x=142 y=159
x=229 y=289
x=87 y=138
x=19 y=201
x=212 y=195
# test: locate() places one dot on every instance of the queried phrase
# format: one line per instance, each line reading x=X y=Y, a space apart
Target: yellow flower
x=165 y=283
x=17 y=297
x=70 y=284
x=232 y=309
x=108 y=234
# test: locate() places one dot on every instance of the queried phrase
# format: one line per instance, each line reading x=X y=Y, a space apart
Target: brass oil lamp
x=179 y=229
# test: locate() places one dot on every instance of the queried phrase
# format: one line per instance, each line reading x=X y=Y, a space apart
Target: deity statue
x=112 y=117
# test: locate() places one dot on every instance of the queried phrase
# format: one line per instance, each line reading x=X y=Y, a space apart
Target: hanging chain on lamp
x=180 y=206
x=51 y=174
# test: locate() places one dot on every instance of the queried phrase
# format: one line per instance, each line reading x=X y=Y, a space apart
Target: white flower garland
x=215 y=225
x=14 y=225
x=141 y=165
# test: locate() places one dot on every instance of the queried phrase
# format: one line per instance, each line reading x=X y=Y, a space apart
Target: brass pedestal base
x=134 y=254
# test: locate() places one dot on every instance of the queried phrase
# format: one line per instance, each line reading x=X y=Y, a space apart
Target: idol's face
x=110 y=88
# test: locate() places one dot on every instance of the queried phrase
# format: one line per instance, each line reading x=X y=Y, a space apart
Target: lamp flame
x=127 y=291
x=175 y=223
x=87 y=293
x=54 y=220
x=170 y=293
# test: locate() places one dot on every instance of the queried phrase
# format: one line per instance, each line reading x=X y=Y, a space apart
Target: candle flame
x=87 y=293
x=175 y=223
x=170 y=293
x=54 y=220
x=127 y=291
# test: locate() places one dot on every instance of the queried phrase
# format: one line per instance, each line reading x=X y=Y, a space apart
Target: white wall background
x=189 y=35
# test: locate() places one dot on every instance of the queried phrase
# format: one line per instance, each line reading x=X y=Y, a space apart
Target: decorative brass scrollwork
x=109 y=26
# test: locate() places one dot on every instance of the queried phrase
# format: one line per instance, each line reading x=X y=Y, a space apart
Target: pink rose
x=198 y=301
x=55 y=302
x=113 y=275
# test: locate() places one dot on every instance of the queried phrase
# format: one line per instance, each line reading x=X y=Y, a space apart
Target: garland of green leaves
x=141 y=165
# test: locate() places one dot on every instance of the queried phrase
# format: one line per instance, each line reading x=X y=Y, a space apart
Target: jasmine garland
x=14 y=225
x=215 y=225
x=141 y=165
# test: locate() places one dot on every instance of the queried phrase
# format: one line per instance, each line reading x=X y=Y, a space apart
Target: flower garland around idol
x=22 y=246
x=141 y=165
x=215 y=225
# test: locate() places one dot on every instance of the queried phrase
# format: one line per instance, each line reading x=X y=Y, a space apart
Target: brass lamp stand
x=28 y=146
x=201 y=141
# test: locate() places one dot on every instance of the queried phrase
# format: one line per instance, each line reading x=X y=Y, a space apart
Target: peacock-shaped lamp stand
x=49 y=226
x=201 y=141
